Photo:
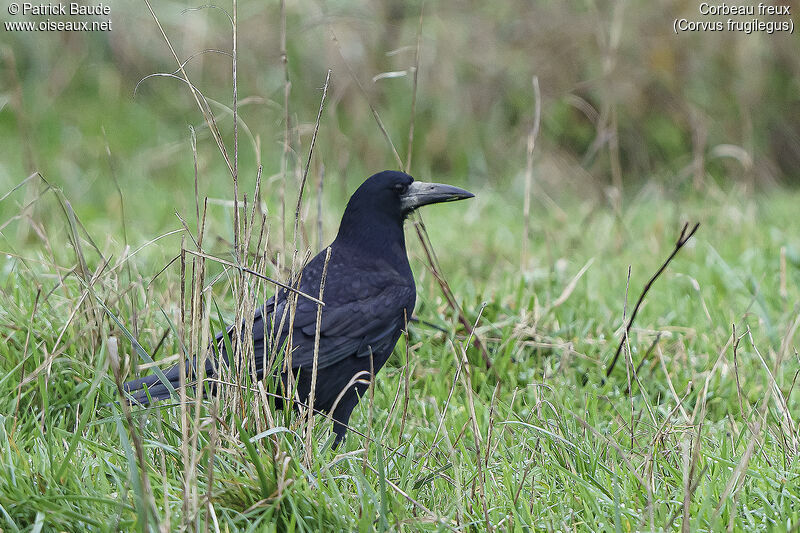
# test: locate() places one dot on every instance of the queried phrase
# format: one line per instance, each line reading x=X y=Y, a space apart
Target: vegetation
x=109 y=188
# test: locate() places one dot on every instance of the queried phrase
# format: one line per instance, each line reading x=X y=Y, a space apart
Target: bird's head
x=373 y=219
x=396 y=194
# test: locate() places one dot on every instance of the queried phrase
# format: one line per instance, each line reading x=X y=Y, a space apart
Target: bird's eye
x=401 y=188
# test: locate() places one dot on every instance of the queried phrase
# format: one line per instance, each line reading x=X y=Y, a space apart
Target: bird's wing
x=364 y=312
x=361 y=326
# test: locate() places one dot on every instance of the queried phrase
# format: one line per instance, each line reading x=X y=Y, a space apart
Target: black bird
x=369 y=294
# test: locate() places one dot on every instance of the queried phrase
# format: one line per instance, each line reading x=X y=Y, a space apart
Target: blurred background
x=641 y=130
x=625 y=103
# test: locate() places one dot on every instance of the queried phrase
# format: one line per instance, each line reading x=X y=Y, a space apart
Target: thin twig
x=236 y=228
x=258 y=275
x=736 y=369
x=308 y=161
x=287 y=86
x=414 y=93
x=319 y=206
x=315 y=365
x=646 y=355
x=682 y=240
x=526 y=208
x=422 y=233
x=406 y=381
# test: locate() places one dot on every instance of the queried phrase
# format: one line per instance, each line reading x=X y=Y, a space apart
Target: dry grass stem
x=532 y=135
x=682 y=240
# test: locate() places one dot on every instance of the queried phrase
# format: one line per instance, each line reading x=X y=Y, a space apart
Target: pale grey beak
x=420 y=193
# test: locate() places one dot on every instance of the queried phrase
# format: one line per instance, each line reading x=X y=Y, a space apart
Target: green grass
x=550 y=445
x=703 y=436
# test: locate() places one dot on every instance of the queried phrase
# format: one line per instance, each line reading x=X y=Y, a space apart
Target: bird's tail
x=160 y=386
x=152 y=387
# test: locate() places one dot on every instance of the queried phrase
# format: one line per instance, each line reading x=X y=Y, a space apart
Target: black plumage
x=369 y=294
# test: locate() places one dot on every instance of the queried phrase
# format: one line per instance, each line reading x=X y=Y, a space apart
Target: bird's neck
x=380 y=238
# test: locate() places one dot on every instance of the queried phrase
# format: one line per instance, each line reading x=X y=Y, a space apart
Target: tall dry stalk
x=526 y=208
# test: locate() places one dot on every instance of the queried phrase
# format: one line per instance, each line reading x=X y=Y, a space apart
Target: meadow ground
x=695 y=429
x=707 y=435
